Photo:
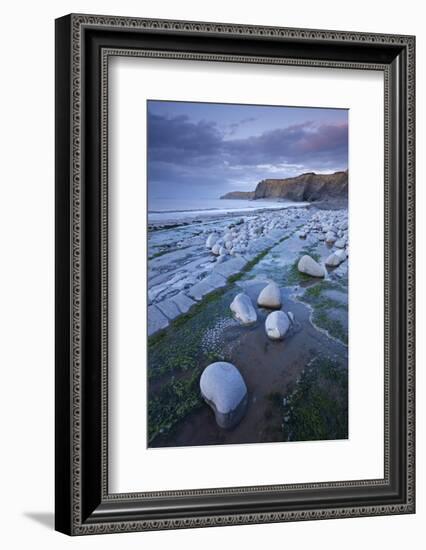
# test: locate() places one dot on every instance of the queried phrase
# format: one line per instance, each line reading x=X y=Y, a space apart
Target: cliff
x=247 y=195
x=306 y=187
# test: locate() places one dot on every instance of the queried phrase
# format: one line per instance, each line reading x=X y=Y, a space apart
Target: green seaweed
x=322 y=305
x=177 y=348
x=315 y=290
x=317 y=409
x=249 y=265
x=166 y=227
x=332 y=326
x=175 y=400
x=175 y=362
x=245 y=272
x=198 y=308
x=293 y=276
x=272 y=429
x=168 y=248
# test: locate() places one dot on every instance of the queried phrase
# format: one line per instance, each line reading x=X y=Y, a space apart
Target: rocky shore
x=265 y=293
x=182 y=271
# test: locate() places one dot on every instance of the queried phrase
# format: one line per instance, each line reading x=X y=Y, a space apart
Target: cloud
x=236 y=125
x=301 y=143
x=180 y=140
x=200 y=155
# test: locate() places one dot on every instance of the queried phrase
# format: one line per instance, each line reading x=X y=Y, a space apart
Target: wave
x=174 y=211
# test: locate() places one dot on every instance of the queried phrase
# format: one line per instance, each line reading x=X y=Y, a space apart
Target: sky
x=204 y=150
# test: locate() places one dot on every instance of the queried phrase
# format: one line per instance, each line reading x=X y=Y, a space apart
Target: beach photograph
x=247 y=270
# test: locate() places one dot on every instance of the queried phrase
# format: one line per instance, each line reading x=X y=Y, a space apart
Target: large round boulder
x=211 y=240
x=310 y=267
x=341 y=254
x=243 y=310
x=270 y=296
x=276 y=325
x=216 y=249
x=224 y=390
x=333 y=260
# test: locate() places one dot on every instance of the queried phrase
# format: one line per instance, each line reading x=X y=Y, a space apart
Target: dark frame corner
x=83 y=45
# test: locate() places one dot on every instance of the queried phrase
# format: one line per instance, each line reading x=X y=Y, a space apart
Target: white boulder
x=330 y=238
x=333 y=260
x=270 y=296
x=310 y=267
x=341 y=243
x=341 y=254
x=216 y=249
x=277 y=324
x=224 y=390
x=211 y=240
x=243 y=310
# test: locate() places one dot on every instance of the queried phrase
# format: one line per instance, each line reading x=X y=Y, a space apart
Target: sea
x=179 y=209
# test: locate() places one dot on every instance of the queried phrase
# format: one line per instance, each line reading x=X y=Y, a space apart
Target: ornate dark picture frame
x=84 y=44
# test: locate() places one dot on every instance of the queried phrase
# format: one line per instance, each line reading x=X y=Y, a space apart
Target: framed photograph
x=234 y=274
